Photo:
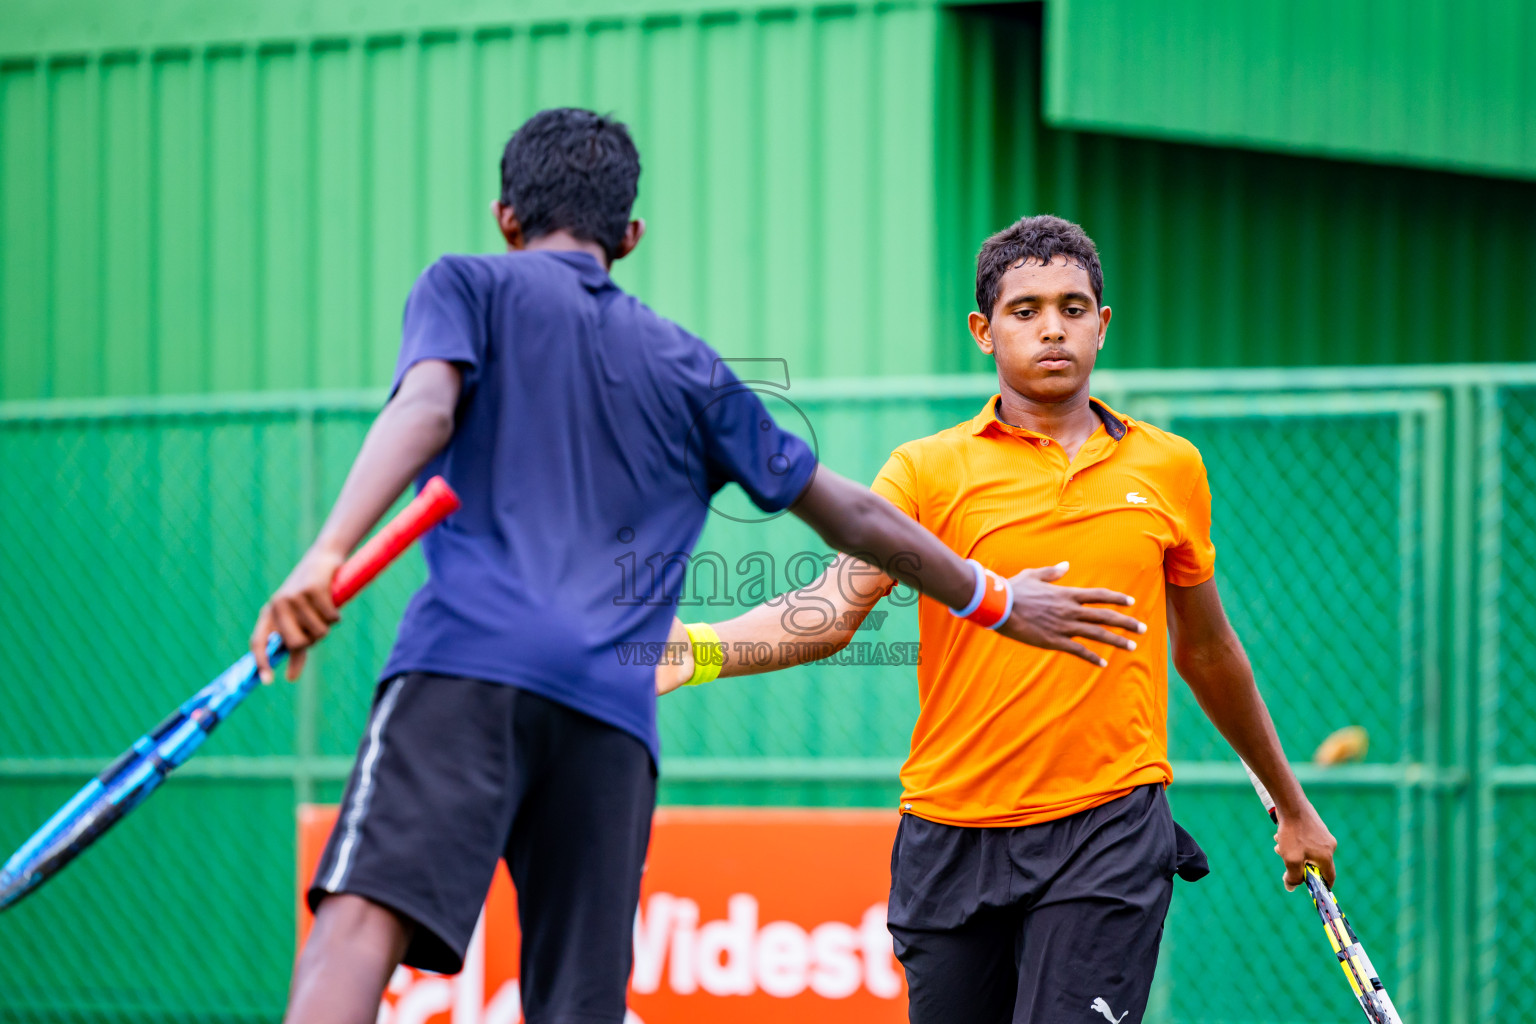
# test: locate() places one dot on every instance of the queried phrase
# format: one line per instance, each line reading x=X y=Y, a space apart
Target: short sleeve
x=1193 y=559
x=742 y=443
x=443 y=320
x=897 y=483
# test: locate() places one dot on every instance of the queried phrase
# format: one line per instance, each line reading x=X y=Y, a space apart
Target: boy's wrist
x=1292 y=802
x=708 y=653
x=329 y=547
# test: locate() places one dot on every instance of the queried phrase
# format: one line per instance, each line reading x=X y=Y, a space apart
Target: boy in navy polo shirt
x=575 y=425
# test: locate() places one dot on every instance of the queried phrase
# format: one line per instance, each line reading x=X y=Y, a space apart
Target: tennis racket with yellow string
x=1357 y=968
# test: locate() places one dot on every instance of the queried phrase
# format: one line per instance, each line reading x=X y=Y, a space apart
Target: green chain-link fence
x=1368 y=523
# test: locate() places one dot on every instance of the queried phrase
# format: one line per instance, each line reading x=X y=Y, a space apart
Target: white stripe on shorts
x=359 y=805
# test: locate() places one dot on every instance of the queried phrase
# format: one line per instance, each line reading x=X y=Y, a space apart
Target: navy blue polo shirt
x=589 y=433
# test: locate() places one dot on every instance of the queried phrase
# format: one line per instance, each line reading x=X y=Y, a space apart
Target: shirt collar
x=588 y=268
x=1115 y=425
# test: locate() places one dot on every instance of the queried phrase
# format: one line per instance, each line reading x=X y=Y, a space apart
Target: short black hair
x=575 y=170
x=1041 y=238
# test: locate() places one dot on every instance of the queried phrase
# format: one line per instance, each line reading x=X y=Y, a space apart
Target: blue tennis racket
x=138 y=771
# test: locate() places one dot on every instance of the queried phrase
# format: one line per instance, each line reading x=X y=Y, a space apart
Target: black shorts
x=1039 y=924
x=454 y=774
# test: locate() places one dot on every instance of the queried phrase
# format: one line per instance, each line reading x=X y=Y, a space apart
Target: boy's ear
x=981 y=331
x=632 y=235
x=506 y=221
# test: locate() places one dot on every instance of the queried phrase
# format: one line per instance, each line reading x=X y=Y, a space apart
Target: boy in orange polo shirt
x=1034 y=863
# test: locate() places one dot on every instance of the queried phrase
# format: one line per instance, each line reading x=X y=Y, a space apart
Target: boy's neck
x=1070 y=421
x=563 y=241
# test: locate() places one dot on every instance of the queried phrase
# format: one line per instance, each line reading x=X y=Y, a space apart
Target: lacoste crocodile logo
x=1099 y=1004
x=1134 y=498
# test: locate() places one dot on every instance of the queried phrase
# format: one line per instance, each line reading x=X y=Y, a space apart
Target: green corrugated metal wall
x=1225 y=257
x=228 y=216
x=1411 y=81
x=250 y=216
x=57 y=26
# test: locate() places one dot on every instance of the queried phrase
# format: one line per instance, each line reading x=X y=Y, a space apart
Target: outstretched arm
x=808 y=624
x=819 y=620
x=411 y=429
x=801 y=626
x=854 y=519
x=1211 y=659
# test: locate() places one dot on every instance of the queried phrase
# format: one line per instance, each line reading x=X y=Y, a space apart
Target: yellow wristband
x=708 y=653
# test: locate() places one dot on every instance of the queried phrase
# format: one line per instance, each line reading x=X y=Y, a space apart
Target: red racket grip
x=434 y=504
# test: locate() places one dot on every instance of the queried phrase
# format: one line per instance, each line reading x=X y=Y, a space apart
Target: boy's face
x=1045 y=330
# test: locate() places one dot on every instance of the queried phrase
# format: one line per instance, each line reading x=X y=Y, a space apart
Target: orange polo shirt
x=1013 y=735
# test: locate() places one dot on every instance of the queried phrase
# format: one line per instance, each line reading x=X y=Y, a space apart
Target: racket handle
x=434 y=504
x=1264 y=797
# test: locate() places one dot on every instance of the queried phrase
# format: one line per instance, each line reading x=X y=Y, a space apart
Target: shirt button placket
x=1065 y=500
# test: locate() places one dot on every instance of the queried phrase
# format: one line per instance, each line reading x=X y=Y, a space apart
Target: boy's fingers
x=1104 y=636
x=1078 y=650
x=310 y=619
x=1325 y=868
x=296 y=665
x=259 y=643
x=320 y=601
x=1047 y=574
x=292 y=632
x=1295 y=874
x=1098 y=595
x=1114 y=620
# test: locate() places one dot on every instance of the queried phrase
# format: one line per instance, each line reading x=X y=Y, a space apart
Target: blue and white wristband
x=992 y=604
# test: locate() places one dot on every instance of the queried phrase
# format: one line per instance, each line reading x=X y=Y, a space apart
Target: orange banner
x=745 y=916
